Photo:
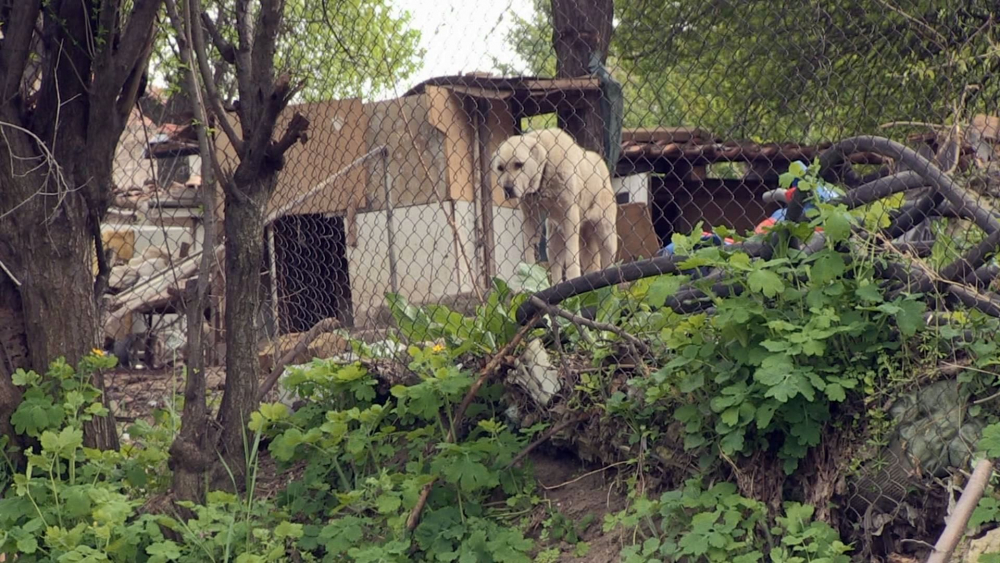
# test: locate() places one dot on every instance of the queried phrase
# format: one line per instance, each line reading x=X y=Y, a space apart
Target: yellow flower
x=98 y=352
x=438 y=348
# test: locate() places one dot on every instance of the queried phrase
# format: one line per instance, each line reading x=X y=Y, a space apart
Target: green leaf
x=532 y=277
x=661 y=288
x=692 y=382
x=765 y=413
x=835 y=392
x=388 y=504
x=990 y=440
x=837 y=226
x=27 y=545
x=766 y=282
x=166 y=549
x=827 y=267
x=732 y=442
x=465 y=472
x=869 y=292
x=288 y=530
x=910 y=316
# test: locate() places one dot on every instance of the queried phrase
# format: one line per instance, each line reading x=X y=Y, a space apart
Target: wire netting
x=511 y=141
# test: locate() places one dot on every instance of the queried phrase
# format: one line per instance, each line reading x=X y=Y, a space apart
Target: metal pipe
x=393 y=275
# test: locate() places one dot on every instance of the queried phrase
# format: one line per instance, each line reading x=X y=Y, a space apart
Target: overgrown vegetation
x=797 y=348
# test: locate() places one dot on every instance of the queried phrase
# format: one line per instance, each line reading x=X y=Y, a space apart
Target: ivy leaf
x=766 y=282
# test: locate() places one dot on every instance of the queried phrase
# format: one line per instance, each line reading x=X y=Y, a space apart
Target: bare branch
x=244 y=68
x=578 y=320
x=225 y=48
x=134 y=39
x=322 y=327
x=265 y=40
x=295 y=132
x=214 y=101
x=17 y=40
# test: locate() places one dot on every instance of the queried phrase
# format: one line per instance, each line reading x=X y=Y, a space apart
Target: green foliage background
x=790 y=70
x=341 y=49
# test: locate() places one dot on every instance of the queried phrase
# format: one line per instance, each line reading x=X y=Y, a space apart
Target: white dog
x=548 y=172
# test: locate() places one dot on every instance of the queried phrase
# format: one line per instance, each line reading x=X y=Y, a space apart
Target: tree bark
x=244 y=227
x=248 y=190
x=66 y=97
x=191 y=454
x=581 y=28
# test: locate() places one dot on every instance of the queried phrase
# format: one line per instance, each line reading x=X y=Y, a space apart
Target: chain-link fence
x=608 y=135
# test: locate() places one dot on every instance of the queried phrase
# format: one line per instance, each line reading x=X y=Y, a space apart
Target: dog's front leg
x=531 y=225
x=569 y=228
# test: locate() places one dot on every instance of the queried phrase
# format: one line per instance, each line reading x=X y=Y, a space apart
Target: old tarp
x=612 y=109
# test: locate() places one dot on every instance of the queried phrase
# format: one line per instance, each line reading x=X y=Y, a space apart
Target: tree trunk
x=581 y=28
x=244 y=227
x=52 y=255
x=13 y=354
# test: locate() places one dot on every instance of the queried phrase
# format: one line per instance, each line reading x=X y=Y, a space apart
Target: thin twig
x=576 y=319
x=484 y=374
x=547 y=435
x=10 y=274
x=585 y=475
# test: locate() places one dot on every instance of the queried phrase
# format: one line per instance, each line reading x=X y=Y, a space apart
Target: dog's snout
x=508 y=191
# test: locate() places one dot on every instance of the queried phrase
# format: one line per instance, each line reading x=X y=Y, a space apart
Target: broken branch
x=484 y=374
x=323 y=326
x=578 y=320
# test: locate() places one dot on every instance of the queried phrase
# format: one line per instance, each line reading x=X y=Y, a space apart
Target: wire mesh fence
x=609 y=135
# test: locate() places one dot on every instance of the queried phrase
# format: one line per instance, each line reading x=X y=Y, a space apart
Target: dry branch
x=325 y=325
x=952 y=533
x=596 y=325
x=484 y=374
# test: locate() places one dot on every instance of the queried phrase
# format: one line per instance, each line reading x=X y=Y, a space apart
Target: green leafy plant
x=717 y=524
x=367 y=458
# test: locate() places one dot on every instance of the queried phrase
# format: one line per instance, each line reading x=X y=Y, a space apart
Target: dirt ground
x=577 y=492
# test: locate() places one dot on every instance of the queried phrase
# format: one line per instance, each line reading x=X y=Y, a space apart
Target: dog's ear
x=540 y=156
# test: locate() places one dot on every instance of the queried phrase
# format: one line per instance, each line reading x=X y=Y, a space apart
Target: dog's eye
x=500 y=168
x=518 y=165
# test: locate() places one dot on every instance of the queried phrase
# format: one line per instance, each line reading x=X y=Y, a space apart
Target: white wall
x=428 y=263
x=636 y=185
x=508 y=237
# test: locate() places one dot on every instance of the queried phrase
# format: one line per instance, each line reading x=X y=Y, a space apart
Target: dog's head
x=519 y=163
